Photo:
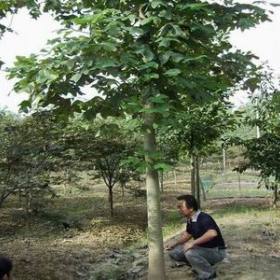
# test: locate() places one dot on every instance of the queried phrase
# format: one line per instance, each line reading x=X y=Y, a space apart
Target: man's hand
x=188 y=246
x=182 y=240
x=170 y=246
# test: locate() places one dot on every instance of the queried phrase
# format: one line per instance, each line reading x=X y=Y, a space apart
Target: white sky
x=32 y=35
x=263 y=41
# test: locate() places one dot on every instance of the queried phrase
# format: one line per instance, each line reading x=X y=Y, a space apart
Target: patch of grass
x=251 y=220
x=172 y=222
x=237 y=209
x=234 y=192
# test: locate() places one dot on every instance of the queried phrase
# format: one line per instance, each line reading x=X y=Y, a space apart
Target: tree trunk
x=122 y=187
x=19 y=197
x=239 y=183
x=156 y=269
x=197 y=181
x=257 y=118
x=193 y=175
x=2 y=198
x=195 y=178
x=65 y=180
x=224 y=160
x=175 y=177
x=161 y=180
x=203 y=190
x=275 y=195
x=111 y=201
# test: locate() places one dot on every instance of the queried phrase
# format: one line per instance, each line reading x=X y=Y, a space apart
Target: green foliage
x=263 y=153
x=244 y=129
x=27 y=153
x=198 y=128
x=105 y=148
x=137 y=50
x=171 y=55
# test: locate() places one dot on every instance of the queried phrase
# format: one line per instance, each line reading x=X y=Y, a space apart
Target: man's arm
x=185 y=236
x=207 y=236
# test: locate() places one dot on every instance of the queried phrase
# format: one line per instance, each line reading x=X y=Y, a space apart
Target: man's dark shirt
x=203 y=223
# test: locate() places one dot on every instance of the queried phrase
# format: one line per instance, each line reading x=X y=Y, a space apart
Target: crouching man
x=201 y=245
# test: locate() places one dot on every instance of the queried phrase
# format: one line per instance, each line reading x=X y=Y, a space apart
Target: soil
x=42 y=248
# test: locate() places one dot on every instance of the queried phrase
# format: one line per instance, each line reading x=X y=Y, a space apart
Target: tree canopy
x=144 y=58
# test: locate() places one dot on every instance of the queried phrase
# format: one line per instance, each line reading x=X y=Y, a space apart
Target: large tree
x=143 y=58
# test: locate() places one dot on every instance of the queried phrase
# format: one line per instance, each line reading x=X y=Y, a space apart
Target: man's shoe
x=213 y=276
x=178 y=264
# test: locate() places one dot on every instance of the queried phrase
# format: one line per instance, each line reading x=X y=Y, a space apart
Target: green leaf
x=146 y=52
x=150 y=76
x=156 y=4
x=151 y=64
x=163 y=167
x=172 y=72
x=45 y=75
x=164 y=58
x=159 y=99
x=194 y=6
x=102 y=63
x=25 y=106
x=177 y=57
x=197 y=58
x=109 y=46
x=165 y=42
x=76 y=77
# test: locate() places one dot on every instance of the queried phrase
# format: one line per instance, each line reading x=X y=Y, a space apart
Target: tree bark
x=203 y=190
x=156 y=270
x=195 y=178
x=193 y=175
x=111 y=201
x=122 y=187
x=224 y=160
x=197 y=181
x=275 y=200
x=239 y=183
x=161 y=181
x=175 y=178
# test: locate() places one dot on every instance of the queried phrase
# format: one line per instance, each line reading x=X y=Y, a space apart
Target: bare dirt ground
x=42 y=248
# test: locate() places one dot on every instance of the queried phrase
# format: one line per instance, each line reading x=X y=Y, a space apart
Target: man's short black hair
x=190 y=201
x=5 y=267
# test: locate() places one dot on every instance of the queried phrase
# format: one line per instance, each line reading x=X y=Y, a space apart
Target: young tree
x=262 y=152
x=27 y=154
x=169 y=151
x=143 y=57
x=196 y=129
x=7 y=123
x=101 y=147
